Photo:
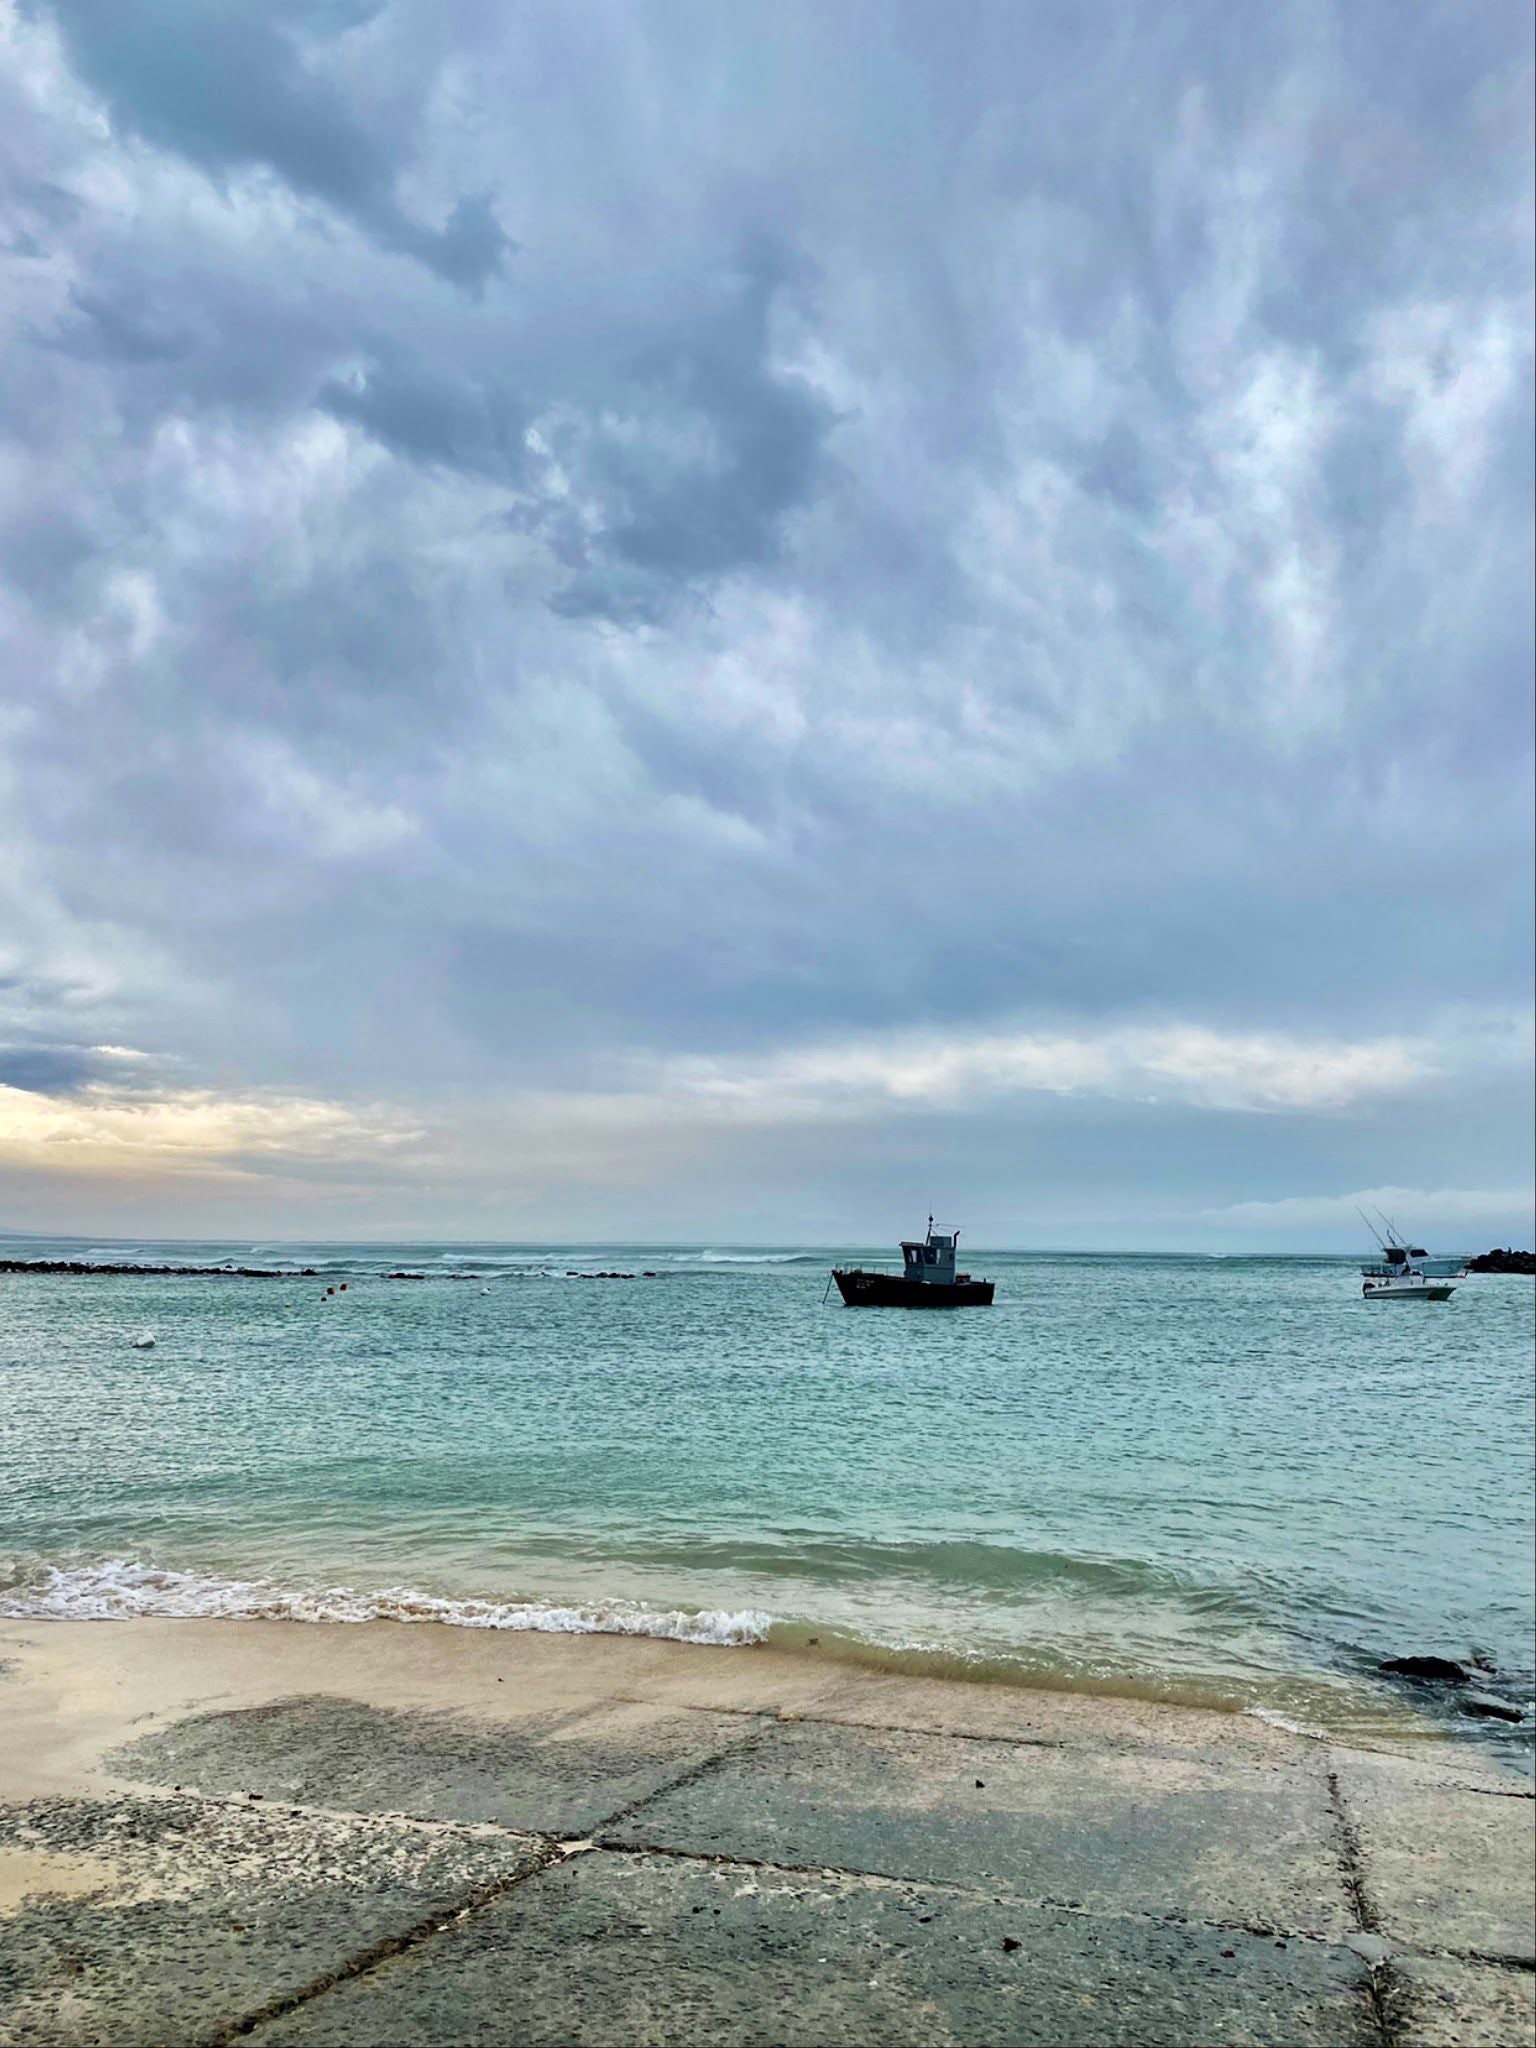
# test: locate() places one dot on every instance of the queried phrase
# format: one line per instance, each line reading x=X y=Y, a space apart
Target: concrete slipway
x=232 y=1831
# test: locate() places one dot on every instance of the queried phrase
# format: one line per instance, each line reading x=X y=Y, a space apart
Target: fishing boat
x=927 y=1279
x=1406 y=1271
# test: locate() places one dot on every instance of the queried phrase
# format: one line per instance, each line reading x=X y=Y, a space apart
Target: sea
x=1222 y=1480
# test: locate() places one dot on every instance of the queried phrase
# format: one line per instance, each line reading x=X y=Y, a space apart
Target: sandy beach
x=213 y=1831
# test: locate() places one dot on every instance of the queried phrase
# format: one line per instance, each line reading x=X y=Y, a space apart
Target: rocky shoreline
x=1503 y=1262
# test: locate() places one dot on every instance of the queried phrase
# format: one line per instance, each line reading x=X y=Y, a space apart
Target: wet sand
x=215 y=1830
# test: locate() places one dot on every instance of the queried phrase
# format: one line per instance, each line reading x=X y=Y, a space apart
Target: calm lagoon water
x=1201 y=1478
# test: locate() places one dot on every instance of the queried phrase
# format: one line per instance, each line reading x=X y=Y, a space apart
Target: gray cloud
x=46 y=1069
x=65 y=1070
x=232 y=88
x=433 y=418
x=958 y=529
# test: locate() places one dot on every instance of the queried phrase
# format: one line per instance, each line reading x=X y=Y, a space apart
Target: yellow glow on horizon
x=190 y=1131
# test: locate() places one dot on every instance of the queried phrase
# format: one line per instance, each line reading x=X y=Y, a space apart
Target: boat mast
x=1370 y=1226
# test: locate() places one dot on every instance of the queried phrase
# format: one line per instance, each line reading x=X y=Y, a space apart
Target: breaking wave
x=120 y=1589
x=753 y=1258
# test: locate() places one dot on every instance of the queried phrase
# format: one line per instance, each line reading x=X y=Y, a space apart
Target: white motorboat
x=1404 y=1285
x=1407 y=1272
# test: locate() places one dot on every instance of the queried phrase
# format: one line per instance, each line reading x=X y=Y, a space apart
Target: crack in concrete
x=692 y=1775
x=1111 y=1745
x=386 y=1949
x=1487 y=1791
x=789 y=1717
x=236 y=1802
x=550 y=1850
x=934 y=1734
x=1384 y=1989
x=1444 y=1781
x=1527 y=1964
x=948 y=1888
x=1351 y=1859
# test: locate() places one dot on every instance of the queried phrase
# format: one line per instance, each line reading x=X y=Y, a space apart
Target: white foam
x=744 y=1258
x=1274 y=1720
x=120 y=1589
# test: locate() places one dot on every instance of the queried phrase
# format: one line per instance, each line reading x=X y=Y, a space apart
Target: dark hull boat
x=927 y=1280
x=891 y=1290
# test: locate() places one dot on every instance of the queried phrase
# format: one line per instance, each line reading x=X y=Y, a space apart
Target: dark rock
x=1482 y=1706
x=1432 y=1670
x=1503 y=1262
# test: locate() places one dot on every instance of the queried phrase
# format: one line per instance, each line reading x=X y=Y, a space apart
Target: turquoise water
x=1204 y=1478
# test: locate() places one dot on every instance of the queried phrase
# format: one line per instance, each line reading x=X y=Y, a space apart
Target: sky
x=738 y=623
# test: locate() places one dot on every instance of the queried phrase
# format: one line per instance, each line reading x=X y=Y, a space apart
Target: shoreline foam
x=124 y=1590
x=119 y=1589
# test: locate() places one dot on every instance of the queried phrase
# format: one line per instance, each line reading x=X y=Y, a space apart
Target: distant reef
x=91 y=1266
x=1503 y=1262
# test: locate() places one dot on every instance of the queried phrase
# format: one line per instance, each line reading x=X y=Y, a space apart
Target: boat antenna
x=1395 y=1235
x=1370 y=1226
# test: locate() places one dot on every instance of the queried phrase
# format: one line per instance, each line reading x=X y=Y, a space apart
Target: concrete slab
x=661 y=1953
x=557 y=1774
x=1439 y=2004
x=1251 y=1843
x=138 y=1920
x=1443 y=1867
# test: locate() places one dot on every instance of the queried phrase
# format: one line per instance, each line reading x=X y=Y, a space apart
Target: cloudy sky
x=735 y=622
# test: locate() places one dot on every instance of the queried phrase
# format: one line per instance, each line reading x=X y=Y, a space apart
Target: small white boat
x=1405 y=1286
x=144 y=1343
x=1406 y=1272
